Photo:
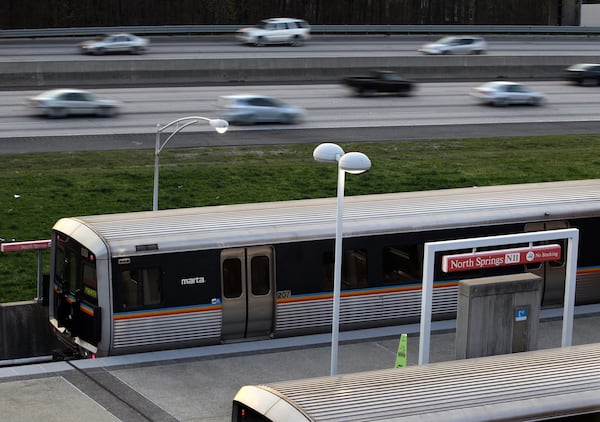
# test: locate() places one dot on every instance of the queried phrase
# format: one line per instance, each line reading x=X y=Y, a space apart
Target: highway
x=436 y=110
x=181 y=47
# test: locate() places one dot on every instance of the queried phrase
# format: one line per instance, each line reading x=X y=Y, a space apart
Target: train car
x=554 y=384
x=144 y=281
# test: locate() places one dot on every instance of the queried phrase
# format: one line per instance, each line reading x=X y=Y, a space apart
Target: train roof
x=311 y=219
x=536 y=385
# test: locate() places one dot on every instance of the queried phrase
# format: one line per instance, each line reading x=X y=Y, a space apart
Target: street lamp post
x=353 y=163
x=219 y=125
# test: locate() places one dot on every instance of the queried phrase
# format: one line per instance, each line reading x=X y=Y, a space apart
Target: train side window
x=260 y=275
x=327 y=271
x=151 y=277
x=232 y=278
x=354 y=269
x=140 y=287
x=401 y=265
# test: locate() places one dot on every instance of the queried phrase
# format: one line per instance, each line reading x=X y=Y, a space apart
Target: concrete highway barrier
x=138 y=71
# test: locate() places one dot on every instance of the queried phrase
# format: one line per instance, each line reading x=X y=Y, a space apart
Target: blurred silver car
x=455 y=45
x=115 y=43
x=67 y=102
x=501 y=93
x=250 y=109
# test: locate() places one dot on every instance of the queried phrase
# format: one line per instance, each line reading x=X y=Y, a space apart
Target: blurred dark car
x=585 y=74
x=379 y=81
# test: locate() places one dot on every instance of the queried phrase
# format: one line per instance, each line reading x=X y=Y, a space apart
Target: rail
x=317 y=29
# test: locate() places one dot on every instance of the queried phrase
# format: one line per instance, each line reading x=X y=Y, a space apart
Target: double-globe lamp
x=353 y=163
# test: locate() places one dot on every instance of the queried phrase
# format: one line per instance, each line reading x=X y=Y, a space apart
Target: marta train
x=154 y=280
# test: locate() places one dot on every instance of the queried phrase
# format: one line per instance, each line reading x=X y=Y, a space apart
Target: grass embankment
x=38 y=189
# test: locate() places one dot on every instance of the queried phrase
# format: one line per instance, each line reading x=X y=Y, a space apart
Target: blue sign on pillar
x=521 y=315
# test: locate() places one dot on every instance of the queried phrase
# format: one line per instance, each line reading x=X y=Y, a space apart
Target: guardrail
x=318 y=29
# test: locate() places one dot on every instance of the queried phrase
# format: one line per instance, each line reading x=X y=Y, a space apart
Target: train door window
x=401 y=265
x=232 y=278
x=260 y=268
x=66 y=270
x=140 y=288
x=563 y=247
x=354 y=269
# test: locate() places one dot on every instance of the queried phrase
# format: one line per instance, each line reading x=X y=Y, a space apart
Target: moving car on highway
x=586 y=74
x=250 y=109
x=500 y=93
x=276 y=31
x=67 y=102
x=455 y=45
x=115 y=43
x=379 y=81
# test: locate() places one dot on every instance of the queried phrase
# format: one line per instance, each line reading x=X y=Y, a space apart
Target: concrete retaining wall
x=273 y=70
x=25 y=331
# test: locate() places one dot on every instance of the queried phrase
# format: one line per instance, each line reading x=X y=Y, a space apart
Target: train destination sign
x=31 y=245
x=500 y=258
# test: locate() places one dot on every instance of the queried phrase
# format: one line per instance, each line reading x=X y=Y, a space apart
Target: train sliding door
x=553 y=272
x=247 y=292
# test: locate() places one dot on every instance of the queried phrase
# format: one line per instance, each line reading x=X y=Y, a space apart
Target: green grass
x=54 y=185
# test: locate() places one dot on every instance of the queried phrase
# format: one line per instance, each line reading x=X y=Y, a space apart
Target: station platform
x=198 y=385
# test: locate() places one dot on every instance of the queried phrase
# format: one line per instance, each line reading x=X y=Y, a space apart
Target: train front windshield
x=75 y=298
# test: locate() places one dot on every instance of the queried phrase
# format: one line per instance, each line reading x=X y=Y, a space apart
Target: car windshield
x=446 y=40
x=264 y=25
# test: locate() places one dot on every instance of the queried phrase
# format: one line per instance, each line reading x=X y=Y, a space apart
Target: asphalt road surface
x=436 y=110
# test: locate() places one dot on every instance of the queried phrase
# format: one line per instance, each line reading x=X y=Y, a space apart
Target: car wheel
x=589 y=82
x=136 y=50
x=479 y=52
x=259 y=42
x=296 y=41
x=500 y=102
x=366 y=92
x=99 y=51
x=56 y=112
x=287 y=119
x=106 y=111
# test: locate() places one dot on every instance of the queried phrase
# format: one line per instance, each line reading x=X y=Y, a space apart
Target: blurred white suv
x=276 y=31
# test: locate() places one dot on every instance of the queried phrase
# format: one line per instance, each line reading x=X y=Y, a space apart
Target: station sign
x=31 y=245
x=500 y=258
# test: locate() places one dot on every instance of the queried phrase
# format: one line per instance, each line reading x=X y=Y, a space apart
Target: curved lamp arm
x=219 y=125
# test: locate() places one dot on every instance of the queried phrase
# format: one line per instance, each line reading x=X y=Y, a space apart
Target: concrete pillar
x=498 y=315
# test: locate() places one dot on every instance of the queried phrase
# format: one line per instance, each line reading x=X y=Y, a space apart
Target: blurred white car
x=250 y=109
x=115 y=43
x=455 y=45
x=501 y=93
x=67 y=102
x=276 y=31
